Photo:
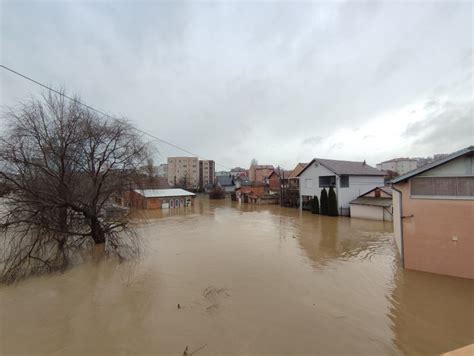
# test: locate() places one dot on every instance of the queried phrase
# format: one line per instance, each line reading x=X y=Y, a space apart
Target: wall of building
x=367 y=212
x=438 y=234
x=397 y=220
x=180 y=167
x=401 y=166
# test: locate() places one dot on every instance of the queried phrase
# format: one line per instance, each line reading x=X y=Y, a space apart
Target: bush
x=332 y=203
x=315 y=205
x=217 y=193
x=324 y=202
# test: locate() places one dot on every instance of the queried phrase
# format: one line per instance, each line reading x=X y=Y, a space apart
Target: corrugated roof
x=434 y=164
x=383 y=202
x=346 y=167
x=161 y=193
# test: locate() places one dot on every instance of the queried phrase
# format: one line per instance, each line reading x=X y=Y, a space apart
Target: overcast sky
x=279 y=82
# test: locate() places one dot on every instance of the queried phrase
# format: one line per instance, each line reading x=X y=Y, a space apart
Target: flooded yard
x=249 y=280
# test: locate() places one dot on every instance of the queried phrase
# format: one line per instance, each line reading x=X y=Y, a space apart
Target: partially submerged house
x=349 y=180
x=226 y=183
x=376 y=204
x=160 y=198
x=433 y=215
x=278 y=179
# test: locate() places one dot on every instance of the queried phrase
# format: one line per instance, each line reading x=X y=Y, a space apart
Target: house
x=433 y=215
x=160 y=198
x=226 y=183
x=293 y=180
x=278 y=179
x=250 y=191
x=241 y=181
x=398 y=165
x=376 y=204
x=349 y=180
x=259 y=173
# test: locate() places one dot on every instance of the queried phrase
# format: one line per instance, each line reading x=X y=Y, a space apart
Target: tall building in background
x=183 y=172
x=207 y=170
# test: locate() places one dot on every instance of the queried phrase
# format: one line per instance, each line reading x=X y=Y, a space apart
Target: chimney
x=363 y=163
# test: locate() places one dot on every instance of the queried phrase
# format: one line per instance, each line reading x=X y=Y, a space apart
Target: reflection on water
x=249 y=280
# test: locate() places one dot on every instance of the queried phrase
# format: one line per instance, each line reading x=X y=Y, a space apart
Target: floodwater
x=249 y=280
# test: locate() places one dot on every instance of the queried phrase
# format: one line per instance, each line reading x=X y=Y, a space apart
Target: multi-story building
x=398 y=165
x=183 y=172
x=207 y=170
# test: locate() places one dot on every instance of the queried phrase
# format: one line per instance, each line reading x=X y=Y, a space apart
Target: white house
x=349 y=180
x=376 y=204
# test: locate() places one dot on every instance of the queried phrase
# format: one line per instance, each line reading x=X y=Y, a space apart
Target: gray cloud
x=313 y=140
x=229 y=80
x=447 y=128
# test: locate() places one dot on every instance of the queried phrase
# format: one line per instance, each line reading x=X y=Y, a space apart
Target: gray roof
x=161 y=193
x=434 y=164
x=225 y=181
x=372 y=201
x=385 y=188
x=346 y=167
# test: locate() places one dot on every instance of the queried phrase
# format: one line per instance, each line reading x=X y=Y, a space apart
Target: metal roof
x=383 y=202
x=161 y=193
x=346 y=167
x=434 y=164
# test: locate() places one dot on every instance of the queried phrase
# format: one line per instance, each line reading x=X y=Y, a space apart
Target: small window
x=344 y=183
x=327 y=181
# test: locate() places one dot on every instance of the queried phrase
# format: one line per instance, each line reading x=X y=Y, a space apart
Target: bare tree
x=62 y=165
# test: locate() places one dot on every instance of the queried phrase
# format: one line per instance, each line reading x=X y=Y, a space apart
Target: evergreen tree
x=332 y=203
x=315 y=205
x=324 y=202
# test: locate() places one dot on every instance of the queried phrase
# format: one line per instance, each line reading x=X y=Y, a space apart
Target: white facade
x=399 y=165
x=310 y=185
x=370 y=212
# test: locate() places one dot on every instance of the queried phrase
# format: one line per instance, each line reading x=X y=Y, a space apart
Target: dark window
x=443 y=186
x=327 y=181
x=377 y=193
x=344 y=183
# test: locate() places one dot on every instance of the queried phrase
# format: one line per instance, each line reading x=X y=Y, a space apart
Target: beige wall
x=438 y=234
x=179 y=167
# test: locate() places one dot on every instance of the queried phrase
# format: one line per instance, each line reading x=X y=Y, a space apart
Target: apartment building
x=207 y=170
x=398 y=165
x=183 y=172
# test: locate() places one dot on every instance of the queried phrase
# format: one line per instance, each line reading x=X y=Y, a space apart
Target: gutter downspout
x=401 y=225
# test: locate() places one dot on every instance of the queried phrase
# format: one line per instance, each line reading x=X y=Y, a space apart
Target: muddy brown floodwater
x=249 y=281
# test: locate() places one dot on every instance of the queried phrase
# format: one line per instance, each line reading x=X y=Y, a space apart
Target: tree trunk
x=97 y=232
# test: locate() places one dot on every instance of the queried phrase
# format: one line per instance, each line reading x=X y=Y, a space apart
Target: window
x=377 y=193
x=443 y=186
x=344 y=182
x=308 y=183
x=327 y=181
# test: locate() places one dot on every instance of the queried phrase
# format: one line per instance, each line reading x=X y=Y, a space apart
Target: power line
x=103 y=113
